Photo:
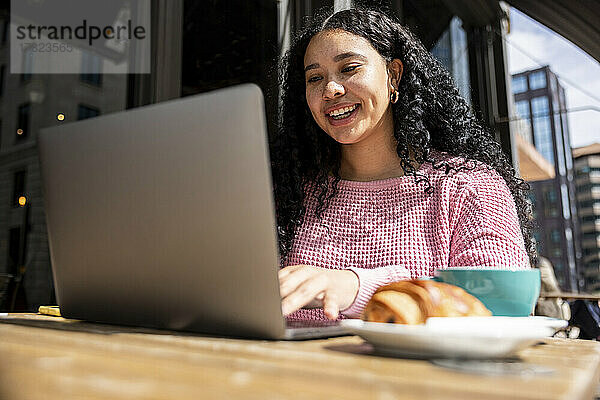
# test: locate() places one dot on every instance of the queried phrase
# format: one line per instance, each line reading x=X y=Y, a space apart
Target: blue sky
x=575 y=69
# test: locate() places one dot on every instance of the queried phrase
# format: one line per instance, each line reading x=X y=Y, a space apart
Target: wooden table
x=44 y=357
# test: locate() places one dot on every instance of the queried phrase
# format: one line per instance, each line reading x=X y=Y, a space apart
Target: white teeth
x=341 y=111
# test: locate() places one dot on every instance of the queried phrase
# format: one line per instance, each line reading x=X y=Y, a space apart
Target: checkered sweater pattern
x=391 y=230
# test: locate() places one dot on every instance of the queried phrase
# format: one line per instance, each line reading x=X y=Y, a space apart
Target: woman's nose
x=333 y=90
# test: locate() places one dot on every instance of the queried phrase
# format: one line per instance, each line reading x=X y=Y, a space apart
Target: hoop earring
x=394 y=97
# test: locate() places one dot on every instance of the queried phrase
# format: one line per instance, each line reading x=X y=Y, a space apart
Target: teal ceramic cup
x=503 y=292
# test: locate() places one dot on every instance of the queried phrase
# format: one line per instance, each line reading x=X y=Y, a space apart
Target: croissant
x=412 y=302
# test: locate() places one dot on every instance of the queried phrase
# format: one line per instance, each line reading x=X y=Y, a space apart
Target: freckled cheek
x=365 y=93
x=313 y=105
x=374 y=86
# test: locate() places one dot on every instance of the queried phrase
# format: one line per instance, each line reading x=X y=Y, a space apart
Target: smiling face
x=348 y=86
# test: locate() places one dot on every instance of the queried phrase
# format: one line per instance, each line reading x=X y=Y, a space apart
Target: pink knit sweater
x=390 y=230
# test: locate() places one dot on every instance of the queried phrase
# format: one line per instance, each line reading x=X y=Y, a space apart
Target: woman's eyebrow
x=311 y=66
x=349 y=54
x=337 y=58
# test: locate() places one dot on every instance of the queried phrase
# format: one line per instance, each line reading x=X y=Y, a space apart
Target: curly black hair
x=430 y=115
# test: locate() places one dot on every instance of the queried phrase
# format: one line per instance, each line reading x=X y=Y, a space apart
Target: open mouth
x=343 y=113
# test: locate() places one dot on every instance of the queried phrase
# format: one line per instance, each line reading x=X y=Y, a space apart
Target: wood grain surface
x=44 y=357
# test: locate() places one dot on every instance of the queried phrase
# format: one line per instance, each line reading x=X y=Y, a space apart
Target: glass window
x=4 y=28
x=209 y=45
x=555 y=236
x=32 y=101
x=523 y=108
x=14 y=246
x=519 y=84
x=556 y=252
x=590 y=236
x=583 y=170
x=442 y=50
x=531 y=202
x=91 y=62
x=2 y=74
x=23 y=121
x=18 y=186
x=587 y=170
x=460 y=58
x=539 y=106
x=523 y=115
x=542 y=132
x=27 y=64
x=559 y=266
x=239 y=47
x=537 y=80
x=85 y=112
x=590 y=218
x=542 y=128
x=560 y=277
x=551 y=196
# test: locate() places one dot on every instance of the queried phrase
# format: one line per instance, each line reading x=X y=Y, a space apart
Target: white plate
x=462 y=337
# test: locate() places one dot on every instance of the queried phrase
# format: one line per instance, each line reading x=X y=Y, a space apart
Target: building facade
x=540 y=104
x=587 y=182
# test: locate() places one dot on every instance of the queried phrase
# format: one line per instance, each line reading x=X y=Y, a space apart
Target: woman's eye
x=350 y=68
x=314 y=79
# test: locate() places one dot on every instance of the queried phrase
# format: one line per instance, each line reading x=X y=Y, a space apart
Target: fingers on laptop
x=304 y=286
x=331 y=306
x=283 y=272
x=290 y=278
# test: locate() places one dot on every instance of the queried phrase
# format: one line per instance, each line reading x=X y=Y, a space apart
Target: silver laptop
x=163 y=217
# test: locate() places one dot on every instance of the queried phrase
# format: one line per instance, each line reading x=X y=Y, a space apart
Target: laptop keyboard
x=294 y=324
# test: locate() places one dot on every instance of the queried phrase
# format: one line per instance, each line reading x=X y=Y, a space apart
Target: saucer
x=456 y=337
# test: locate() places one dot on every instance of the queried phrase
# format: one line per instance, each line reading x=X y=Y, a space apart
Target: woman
x=381 y=171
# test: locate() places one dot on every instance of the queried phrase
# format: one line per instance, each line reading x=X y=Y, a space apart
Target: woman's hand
x=312 y=287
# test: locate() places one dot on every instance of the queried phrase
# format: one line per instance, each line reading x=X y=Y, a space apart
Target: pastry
x=412 y=302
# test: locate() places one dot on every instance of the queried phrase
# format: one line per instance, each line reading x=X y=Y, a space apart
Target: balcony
x=592 y=257
x=592 y=271
x=589 y=211
x=588 y=227
x=590 y=243
x=585 y=178
x=590 y=194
